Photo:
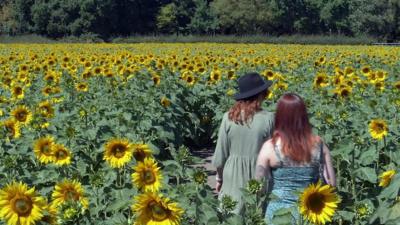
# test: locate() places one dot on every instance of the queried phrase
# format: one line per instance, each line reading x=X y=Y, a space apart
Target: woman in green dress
x=244 y=128
x=293 y=158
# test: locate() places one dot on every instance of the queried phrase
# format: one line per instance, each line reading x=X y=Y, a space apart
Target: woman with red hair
x=293 y=158
x=242 y=132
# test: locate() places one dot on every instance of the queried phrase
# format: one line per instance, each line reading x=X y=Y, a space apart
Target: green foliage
x=107 y=18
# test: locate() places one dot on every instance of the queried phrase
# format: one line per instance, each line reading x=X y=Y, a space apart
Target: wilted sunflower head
x=378 y=128
x=43 y=149
x=22 y=115
x=386 y=178
x=69 y=191
x=62 y=155
x=152 y=208
x=141 y=151
x=318 y=203
x=117 y=152
x=20 y=205
x=147 y=175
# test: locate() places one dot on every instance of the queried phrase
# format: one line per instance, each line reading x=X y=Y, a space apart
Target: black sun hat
x=251 y=84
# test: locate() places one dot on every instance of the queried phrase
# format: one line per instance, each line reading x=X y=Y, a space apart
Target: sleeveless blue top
x=289 y=178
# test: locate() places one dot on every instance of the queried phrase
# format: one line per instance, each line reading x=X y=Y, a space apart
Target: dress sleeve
x=222 y=149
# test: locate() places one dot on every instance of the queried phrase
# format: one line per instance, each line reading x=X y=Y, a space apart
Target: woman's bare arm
x=263 y=170
x=329 y=172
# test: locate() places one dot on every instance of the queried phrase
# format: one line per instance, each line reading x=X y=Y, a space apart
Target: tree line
x=112 y=18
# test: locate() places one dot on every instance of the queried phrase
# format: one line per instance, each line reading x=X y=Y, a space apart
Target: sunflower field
x=103 y=133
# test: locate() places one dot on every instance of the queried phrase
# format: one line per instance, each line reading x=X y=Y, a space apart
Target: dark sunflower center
x=320 y=80
x=344 y=93
x=22 y=206
x=316 y=203
x=119 y=150
x=21 y=116
x=139 y=155
x=10 y=128
x=18 y=90
x=189 y=79
x=148 y=176
x=61 y=154
x=379 y=128
x=159 y=213
x=46 y=148
x=45 y=109
x=71 y=194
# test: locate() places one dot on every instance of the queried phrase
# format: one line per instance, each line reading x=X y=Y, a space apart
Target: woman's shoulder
x=266 y=114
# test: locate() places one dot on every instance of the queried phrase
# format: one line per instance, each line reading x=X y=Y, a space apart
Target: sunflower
x=397 y=85
x=231 y=75
x=117 y=152
x=43 y=149
x=81 y=87
x=379 y=86
x=12 y=128
x=321 y=80
x=215 y=75
x=343 y=91
x=156 y=79
x=230 y=92
x=62 y=155
x=141 y=151
x=20 y=205
x=318 y=203
x=378 y=128
x=386 y=178
x=165 y=102
x=268 y=74
x=50 y=214
x=366 y=70
x=147 y=176
x=17 y=92
x=46 y=109
x=190 y=79
x=46 y=91
x=152 y=208
x=69 y=190
x=22 y=115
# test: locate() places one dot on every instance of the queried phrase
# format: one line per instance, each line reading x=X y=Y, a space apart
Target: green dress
x=237 y=151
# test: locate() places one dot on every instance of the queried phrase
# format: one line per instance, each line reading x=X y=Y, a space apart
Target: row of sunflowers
x=103 y=133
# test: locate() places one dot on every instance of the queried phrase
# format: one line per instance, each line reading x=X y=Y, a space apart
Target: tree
x=203 y=20
x=378 y=18
x=246 y=16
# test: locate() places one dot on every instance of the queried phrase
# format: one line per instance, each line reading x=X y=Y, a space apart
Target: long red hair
x=293 y=128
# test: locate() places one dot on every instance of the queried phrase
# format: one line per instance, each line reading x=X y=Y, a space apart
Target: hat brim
x=253 y=92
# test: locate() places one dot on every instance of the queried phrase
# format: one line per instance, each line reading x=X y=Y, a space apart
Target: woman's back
x=289 y=176
x=237 y=150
